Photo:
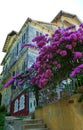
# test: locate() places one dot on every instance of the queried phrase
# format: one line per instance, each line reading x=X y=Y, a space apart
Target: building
x=64 y=19
x=18 y=59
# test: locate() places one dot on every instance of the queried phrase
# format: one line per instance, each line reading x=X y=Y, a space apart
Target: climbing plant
x=60 y=56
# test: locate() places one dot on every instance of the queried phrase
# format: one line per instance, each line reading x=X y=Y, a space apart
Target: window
x=22 y=102
x=30 y=104
x=23 y=38
x=23 y=66
x=34 y=103
x=16 y=105
x=40 y=33
x=17 y=49
x=37 y=33
x=13 y=73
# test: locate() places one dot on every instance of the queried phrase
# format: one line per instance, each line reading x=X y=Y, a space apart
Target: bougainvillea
x=77 y=70
x=59 y=54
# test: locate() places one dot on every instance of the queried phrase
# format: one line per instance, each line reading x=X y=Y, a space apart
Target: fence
x=52 y=94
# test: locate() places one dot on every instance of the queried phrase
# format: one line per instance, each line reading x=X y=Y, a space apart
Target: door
x=32 y=102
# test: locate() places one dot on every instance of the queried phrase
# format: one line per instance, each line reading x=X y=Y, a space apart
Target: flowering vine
x=59 y=54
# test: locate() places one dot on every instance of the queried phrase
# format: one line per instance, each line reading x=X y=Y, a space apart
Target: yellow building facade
x=18 y=59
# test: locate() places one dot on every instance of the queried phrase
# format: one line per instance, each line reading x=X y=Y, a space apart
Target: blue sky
x=13 y=14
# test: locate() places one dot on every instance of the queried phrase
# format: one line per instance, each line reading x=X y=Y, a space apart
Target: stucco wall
x=62 y=115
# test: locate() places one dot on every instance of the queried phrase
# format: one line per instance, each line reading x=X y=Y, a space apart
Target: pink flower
x=33 y=79
x=20 y=82
x=41 y=43
x=9 y=82
x=81 y=25
x=58 y=51
x=69 y=47
x=49 y=56
x=81 y=66
x=77 y=55
x=72 y=74
x=42 y=82
x=63 y=53
x=74 y=44
x=70 y=27
x=73 y=37
x=49 y=73
x=59 y=66
x=16 y=76
x=37 y=64
x=77 y=70
x=55 y=63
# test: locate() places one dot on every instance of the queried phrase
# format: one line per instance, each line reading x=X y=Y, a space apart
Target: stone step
x=32 y=121
x=36 y=125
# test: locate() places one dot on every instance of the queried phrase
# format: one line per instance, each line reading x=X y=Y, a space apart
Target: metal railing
x=50 y=95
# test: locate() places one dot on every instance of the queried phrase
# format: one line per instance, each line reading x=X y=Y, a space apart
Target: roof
x=12 y=33
x=50 y=26
x=8 y=39
x=35 y=23
x=63 y=13
x=43 y=23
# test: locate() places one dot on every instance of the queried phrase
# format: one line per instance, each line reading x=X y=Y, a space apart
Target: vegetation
x=60 y=56
x=3 y=113
x=2 y=121
x=2 y=109
x=2 y=116
x=80 y=98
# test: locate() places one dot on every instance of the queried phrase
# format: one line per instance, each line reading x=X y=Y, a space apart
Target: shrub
x=80 y=98
x=8 y=114
x=2 y=121
x=2 y=109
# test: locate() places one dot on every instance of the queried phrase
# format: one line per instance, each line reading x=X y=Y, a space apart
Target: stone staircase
x=34 y=124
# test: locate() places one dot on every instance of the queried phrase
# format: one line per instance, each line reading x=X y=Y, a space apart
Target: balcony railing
x=50 y=95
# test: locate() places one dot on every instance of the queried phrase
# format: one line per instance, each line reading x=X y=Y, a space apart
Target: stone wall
x=65 y=114
x=12 y=123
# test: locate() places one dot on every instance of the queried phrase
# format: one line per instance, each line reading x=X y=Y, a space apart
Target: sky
x=13 y=14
